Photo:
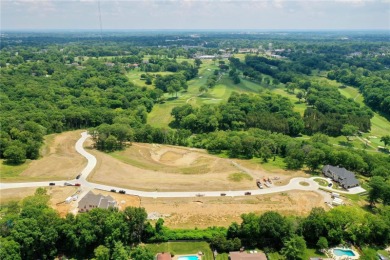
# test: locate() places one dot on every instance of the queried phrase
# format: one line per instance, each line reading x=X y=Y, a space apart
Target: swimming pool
x=343 y=252
x=188 y=257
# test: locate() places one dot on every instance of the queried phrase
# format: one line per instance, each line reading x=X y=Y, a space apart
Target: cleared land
x=222 y=211
x=153 y=167
x=59 y=161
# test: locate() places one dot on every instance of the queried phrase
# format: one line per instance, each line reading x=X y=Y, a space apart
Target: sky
x=196 y=14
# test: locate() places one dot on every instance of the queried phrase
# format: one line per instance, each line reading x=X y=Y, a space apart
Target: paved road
x=294 y=183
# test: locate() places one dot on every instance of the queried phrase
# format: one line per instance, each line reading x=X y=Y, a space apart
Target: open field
x=222 y=211
x=59 y=161
x=135 y=77
x=153 y=167
x=160 y=115
x=15 y=194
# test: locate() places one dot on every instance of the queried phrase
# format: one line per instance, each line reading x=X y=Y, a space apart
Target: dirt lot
x=59 y=160
x=15 y=194
x=205 y=212
x=170 y=168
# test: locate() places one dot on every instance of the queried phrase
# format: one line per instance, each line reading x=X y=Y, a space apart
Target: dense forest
x=54 y=82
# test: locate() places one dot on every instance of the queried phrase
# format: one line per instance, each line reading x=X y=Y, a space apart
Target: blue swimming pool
x=343 y=252
x=188 y=257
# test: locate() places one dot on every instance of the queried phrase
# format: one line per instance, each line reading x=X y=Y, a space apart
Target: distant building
x=242 y=255
x=91 y=201
x=344 y=177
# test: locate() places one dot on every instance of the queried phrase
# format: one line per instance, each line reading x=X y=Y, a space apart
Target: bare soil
x=15 y=194
x=153 y=167
x=222 y=211
x=59 y=161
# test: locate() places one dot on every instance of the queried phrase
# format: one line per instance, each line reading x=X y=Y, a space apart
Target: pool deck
x=176 y=257
x=343 y=257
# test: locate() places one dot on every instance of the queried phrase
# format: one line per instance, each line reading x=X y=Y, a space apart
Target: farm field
x=222 y=211
x=59 y=161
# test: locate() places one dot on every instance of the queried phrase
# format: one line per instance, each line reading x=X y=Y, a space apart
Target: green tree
x=197 y=62
x=386 y=139
x=9 y=249
x=273 y=230
x=322 y=243
x=299 y=96
x=377 y=186
x=119 y=252
x=203 y=89
x=141 y=253
x=135 y=218
x=314 y=158
x=15 y=154
x=294 y=248
x=102 y=253
x=348 y=131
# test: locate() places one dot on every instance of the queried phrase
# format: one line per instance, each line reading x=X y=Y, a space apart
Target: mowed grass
x=239 y=176
x=12 y=171
x=135 y=77
x=380 y=126
x=308 y=253
x=182 y=248
x=160 y=116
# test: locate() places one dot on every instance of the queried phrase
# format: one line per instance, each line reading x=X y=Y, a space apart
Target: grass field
x=308 y=253
x=59 y=161
x=12 y=171
x=183 y=248
x=160 y=115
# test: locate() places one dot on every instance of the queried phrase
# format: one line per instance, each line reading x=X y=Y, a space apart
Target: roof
x=99 y=201
x=244 y=255
x=345 y=177
x=164 y=256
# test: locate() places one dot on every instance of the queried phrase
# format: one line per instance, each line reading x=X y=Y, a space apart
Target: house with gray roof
x=91 y=201
x=345 y=178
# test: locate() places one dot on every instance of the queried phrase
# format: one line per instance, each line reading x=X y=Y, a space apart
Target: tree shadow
x=9 y=163
x=346 y=144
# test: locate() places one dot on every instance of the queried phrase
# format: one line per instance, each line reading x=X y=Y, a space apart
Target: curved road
x=292 y=185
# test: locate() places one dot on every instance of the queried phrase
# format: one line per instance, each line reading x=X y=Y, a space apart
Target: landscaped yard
x=183 y=248
x=321 y=182
x=308 y=253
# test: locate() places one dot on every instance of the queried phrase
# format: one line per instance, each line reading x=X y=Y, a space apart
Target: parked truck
x=258 y=183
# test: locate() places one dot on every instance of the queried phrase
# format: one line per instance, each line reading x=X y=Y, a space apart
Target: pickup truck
x=68 y=184
x=248 y=193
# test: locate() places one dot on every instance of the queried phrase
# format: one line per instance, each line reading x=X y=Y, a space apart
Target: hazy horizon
x=196 y=15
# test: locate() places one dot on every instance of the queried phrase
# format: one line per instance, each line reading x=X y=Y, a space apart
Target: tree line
x=33 y=230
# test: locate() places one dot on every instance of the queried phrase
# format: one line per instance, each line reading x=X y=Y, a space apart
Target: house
x=344 y=177
x=242 y=255
x=91 y=201
x=164 y=256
